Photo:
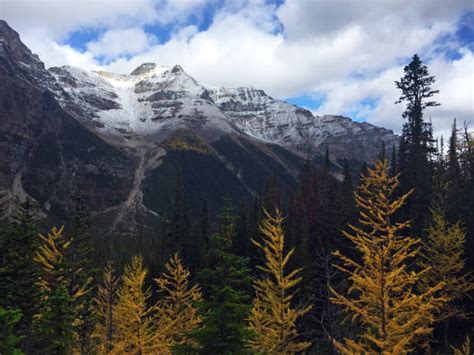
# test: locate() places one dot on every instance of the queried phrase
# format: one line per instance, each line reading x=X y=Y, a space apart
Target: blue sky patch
x=308 y=101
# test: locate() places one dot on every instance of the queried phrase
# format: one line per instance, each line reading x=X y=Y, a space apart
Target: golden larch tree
x=51 y=258
x=134 y=321
x=382 y=297
x=443 y=258
x=273 y=319
x=60 y=296
x=465 y=348
x=105 y=300
x=176 y=314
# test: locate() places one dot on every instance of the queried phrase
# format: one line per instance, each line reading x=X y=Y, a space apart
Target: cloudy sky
x=331 y=56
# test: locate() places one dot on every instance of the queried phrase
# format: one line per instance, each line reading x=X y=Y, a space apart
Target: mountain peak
x=143 y=68
x=7 y=32
x=13 y=45
x=177 y=69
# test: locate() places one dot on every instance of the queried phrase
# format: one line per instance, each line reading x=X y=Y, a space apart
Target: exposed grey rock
x=144 y=68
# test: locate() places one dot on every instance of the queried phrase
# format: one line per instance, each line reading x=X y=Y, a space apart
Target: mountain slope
x=44 y=152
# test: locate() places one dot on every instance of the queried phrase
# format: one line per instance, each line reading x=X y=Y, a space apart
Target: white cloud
x=455 y=81
x=56 y=18
x=54 y=54
x=117 y=42
x=347 y=52
x=176 y=11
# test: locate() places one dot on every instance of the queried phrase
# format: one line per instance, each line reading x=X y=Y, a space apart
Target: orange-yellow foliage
x=382 y=297
x=443 y=257
x=176 y=315
x=273 y=319
x=104 y=332
x=135 y=333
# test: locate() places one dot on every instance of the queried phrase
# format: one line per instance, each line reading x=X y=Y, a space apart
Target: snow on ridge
x=154 y=99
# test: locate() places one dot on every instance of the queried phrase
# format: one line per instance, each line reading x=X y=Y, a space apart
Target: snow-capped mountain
x=155 y=100
x=151 y=101
x=120 y=140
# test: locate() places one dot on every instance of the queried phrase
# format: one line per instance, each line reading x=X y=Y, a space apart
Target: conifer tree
x=226 y=288
x=18 y=270
x=393 y=162
x=465 y=348
x=105 y=301
x=271 y=196
x=348 y=203
x=203 y=232
x=180 y=233
x=443 y=260
x=381 y=298
x=242 y=244
x=176 y=312
x=273 y=319
x=454 y=177
x=82 y=273
x=55 y=320
x=416 y=143
x=9 y=340
x=135 y=333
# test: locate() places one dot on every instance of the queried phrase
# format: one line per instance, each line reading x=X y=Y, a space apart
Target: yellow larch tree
x=135 y=333
x=465 y=348
x=60 y=296
x=382 y=297
x=105 y=300
x=51 y=258
x=273 y=319
x=443 y=257
x=176 y=314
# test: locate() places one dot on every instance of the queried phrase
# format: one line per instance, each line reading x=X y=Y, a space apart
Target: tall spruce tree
x=9 y=340
x=416 y=143
x=82 y=272
x=454 y=178
x=18 y=270
x=54 y=321
x=226 y=288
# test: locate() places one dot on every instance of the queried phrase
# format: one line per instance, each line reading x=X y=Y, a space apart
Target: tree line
x=380 y=263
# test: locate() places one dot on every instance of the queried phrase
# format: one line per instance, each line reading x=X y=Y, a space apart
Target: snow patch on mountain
x=157 y=100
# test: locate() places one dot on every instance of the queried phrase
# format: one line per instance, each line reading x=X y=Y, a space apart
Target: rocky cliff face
x=44 y=152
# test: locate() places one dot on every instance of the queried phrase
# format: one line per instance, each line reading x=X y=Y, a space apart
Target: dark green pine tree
x=82 y=272
x=454 y=178
x=393 y=161
x=253 y=223
x=349 y=211
x=271 y=196
x=203 y=233
x=416 y=144
x=179 y=236
x=242 y=243
x=466 y=161
x=382 y=155
x=329 y=206
x=18 y=270
x=302 y=224
x=54 y=328
x=9 y=339
x=226 y=287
